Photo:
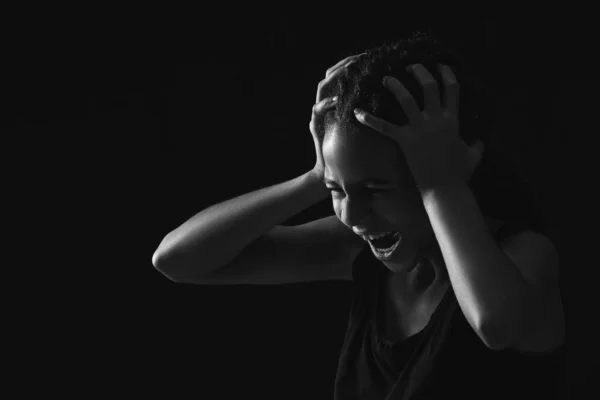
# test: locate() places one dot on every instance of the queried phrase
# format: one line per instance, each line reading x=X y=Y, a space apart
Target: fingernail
x=384 y=80
x=334 y=98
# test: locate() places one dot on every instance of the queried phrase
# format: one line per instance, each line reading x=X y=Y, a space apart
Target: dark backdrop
x=133 y=122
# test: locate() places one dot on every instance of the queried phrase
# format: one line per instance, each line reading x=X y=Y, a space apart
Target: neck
x=428 y=274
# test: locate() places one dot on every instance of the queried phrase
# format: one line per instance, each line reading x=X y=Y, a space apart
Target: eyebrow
x=376 y=181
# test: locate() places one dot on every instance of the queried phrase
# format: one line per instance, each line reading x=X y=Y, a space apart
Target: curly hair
x=498 y=186
x=359 y=84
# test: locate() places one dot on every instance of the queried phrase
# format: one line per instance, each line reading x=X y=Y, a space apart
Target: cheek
x=337 y=209
x=404 y=209
x=401 y=201
x=409 y=198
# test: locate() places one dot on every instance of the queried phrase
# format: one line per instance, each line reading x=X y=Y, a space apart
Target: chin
x=404 y=262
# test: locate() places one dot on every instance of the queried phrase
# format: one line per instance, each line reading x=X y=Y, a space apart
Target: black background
x=125 y=123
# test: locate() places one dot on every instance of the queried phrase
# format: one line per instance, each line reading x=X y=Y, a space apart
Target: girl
x=456 y=289
x=449 y=303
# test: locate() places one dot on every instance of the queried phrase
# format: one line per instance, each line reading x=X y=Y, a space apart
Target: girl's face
x=373 y=190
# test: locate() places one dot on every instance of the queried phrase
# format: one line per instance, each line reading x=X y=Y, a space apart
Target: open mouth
x=384 y=246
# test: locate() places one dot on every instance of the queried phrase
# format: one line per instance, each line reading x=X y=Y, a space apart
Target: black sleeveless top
x=445 y=360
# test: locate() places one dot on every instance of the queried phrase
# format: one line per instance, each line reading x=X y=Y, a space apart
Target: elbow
x=162 y=259
x=157 y=260
x=163 y=264
x=494 y=337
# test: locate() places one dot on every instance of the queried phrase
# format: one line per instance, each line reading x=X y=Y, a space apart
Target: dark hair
x=359 y=85
x=498 y=186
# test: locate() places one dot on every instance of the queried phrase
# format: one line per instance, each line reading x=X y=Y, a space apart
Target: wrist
x=314 y=180
x=451 y=189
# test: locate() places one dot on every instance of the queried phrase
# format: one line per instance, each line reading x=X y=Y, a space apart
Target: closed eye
x=368 y=189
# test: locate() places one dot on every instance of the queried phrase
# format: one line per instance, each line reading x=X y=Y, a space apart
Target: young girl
x=448 y=302
x=453 y=304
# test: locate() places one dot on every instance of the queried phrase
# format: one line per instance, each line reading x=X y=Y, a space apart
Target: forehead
x=351 y=153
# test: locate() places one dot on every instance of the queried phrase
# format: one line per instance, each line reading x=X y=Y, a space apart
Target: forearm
x=485 y=280
x=215 y=236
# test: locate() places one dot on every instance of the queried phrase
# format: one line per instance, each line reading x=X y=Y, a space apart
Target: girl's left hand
x=434 y=151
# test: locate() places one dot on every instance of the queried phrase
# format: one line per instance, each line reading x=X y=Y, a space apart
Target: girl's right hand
x=322 y=105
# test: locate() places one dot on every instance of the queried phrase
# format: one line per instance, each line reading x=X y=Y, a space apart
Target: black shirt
x=445 y=360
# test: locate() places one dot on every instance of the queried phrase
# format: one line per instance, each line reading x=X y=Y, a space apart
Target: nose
x=354 y=212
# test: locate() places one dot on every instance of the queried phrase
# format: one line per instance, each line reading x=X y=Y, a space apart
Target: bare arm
x=215 y=236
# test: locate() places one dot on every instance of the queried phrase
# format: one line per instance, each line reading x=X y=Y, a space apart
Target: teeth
x=385 y=253
x=376 y=236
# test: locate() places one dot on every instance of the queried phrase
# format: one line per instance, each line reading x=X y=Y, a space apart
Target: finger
x=323 y=105
x=451 y=89
x=346 y=60
x=390 y=130
x=318 y=109
x=324 y=86
x=408 y=104
x=430 y=87
x=332 y=74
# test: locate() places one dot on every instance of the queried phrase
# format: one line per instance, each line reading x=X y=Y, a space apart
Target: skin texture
x=351 y=155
